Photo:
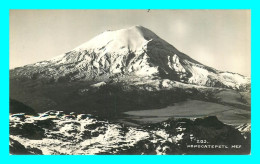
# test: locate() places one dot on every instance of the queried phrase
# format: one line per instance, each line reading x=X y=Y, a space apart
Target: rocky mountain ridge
x=55 y=133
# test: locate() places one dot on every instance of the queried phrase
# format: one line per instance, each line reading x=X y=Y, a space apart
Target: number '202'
x=201 y=141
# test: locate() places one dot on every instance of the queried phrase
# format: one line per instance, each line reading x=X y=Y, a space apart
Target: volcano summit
x=125 y=54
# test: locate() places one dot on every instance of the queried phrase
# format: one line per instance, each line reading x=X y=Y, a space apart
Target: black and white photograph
x=130 y=82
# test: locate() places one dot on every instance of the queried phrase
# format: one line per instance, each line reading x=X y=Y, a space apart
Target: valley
x=191 y=109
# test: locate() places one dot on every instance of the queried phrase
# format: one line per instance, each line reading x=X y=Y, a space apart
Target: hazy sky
x=217 y=38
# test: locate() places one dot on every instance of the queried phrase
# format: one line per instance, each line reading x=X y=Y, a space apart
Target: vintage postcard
x=130 y=82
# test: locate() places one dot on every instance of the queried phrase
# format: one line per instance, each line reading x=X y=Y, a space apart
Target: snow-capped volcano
x=118 y=94
x=132 y=52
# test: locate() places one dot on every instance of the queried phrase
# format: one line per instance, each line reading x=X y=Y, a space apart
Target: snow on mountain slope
x=133 y=52
x=134 y=38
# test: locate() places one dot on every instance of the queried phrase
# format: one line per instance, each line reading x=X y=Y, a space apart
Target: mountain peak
x=132 y=52
x=143 y=31
x=133 y=38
